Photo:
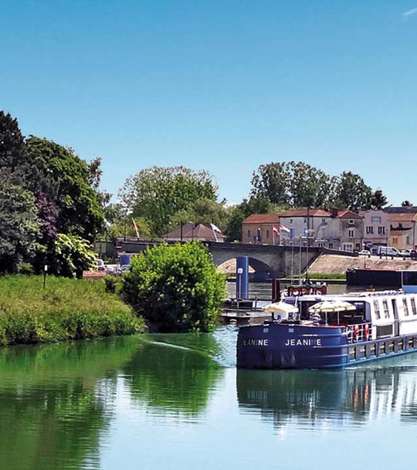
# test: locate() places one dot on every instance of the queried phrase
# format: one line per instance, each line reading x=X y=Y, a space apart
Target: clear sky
x=221 y=85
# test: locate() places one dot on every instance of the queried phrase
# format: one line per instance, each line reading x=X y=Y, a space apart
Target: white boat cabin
x=388 y=313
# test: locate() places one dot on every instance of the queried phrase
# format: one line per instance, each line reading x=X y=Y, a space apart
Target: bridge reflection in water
x=331 y=398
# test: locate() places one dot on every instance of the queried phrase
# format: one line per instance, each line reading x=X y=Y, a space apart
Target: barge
x=331 y=331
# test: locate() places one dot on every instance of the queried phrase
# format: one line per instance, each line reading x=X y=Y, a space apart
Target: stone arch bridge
x=277 y=261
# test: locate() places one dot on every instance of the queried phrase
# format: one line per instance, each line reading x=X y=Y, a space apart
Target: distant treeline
x=52 y=207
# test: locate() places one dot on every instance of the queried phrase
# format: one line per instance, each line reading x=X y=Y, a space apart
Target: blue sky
x=221 y=85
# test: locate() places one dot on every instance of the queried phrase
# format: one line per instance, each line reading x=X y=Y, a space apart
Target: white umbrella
x=328 y=306
x=331 y=306
x=280 y=307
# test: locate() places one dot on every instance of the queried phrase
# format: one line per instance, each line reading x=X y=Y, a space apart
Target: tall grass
x=66 y=309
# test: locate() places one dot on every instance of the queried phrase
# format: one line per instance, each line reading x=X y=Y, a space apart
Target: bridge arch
x=259 y=270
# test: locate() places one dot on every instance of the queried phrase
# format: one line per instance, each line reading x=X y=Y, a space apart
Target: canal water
x=177 y=402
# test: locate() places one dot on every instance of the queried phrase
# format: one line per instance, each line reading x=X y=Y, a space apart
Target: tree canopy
x=19 y=225
x=298 y=184
x=68 y=183
x=11 y=142
x=158 y=193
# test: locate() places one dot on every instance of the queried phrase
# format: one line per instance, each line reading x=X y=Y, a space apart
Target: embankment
x=66 y=309
x=335 y=264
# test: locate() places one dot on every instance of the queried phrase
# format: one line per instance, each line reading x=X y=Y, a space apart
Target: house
x=261 y=228
x=376 y=227
x=402 y=227
x=336 y=229
x=190 y=231
x=402 y=230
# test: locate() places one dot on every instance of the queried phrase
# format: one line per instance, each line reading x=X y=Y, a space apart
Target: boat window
x=405 y=305
x=413 y=306
x=386 y=309
x=377 y=309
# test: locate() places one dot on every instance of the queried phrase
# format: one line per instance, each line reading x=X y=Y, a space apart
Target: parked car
x=386 y=251
x=364 y=253
x=405 y=253
x=100 y=265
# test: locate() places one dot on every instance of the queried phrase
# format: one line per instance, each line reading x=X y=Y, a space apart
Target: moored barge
x=360 y=327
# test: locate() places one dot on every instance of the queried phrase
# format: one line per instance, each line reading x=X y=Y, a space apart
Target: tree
x=67 y=182
x=378 y=199
x=406 y=203
x=271 y=181
x=175 y=287
x=352 y=192
x=11 y=142
x=297 y=184
x=203 y=211
x=19 y=225
x=157 y=194
x=309 y=186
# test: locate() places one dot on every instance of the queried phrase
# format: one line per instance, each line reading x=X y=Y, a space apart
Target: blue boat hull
x=289 y=346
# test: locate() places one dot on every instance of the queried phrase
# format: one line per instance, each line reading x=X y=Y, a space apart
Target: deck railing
x=359 y=332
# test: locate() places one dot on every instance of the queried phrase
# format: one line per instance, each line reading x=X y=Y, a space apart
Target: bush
x=72 y=255
x=175 y=287
x=66 y=309
x=113 y=284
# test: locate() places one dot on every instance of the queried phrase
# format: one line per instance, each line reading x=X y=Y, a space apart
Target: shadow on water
x=313 y=397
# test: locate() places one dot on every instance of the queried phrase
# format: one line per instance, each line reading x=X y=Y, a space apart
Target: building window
x=351 y=233
x=369 y=229
x=323 y=221
x=413 y=306
x=267 y=234
x=350 y=222
x=386 y=309
x=381 y=230
x=305 y=220
x=248 y=233
x=290 y=221
x=395 y=240
x=375 y=219
x=408 y=241
x=377 y=309
x=405 y=305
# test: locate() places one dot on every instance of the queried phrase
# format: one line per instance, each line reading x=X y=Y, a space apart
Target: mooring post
x=242 y=277
x=276 y=290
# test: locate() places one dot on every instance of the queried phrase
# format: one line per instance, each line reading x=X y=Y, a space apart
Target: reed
x=66 y=309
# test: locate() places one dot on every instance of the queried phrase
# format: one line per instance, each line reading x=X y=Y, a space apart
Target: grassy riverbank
x=66 y=309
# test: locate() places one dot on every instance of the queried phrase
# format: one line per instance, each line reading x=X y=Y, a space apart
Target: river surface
x=178 y=402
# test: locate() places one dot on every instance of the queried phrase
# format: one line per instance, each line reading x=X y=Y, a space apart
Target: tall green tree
x=352 y=192
x=378 y=199
x=309 y=186
x=297 y=184
x=271 y=182
x=11 y=142
x=68 y=182
x=157 y=194
x=19 y=225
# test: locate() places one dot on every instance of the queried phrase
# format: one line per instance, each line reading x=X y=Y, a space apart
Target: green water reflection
x=110 y=403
